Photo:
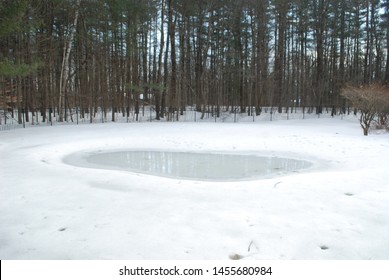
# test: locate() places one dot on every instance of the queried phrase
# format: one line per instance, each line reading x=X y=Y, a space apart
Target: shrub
x=372 y=101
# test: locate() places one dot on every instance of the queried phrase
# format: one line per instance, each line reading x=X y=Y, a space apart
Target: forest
x=116 y=56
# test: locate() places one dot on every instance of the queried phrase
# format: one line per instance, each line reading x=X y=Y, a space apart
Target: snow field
x=337 y=210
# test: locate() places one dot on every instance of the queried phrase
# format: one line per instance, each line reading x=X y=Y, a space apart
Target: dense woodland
x=58 y=56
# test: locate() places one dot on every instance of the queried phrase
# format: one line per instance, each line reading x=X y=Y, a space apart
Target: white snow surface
x=337 y=210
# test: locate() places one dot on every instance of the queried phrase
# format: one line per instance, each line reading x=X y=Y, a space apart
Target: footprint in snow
x=235 y=257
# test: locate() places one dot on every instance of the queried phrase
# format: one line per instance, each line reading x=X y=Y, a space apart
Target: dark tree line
x=58 y=56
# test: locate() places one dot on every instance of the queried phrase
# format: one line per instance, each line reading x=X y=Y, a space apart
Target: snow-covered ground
x=338 y=210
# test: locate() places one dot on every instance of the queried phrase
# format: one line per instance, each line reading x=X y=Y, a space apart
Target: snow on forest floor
x=338 y=210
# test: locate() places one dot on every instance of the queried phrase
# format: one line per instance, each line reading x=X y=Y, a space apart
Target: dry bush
x=372 y=101
x=383 y=120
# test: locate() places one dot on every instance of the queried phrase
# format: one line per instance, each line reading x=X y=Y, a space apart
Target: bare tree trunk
x=65 y=64
x=173 y=79
x=159 y=75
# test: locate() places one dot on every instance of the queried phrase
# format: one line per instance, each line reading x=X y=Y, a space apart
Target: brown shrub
x=372 y=101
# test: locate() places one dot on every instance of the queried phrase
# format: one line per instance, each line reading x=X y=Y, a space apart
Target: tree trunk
x=65 y=64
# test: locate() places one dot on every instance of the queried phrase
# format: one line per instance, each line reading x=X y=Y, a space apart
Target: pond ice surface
x=191 y=165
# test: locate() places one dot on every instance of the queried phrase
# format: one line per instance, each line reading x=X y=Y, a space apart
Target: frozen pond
x=190 y=165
